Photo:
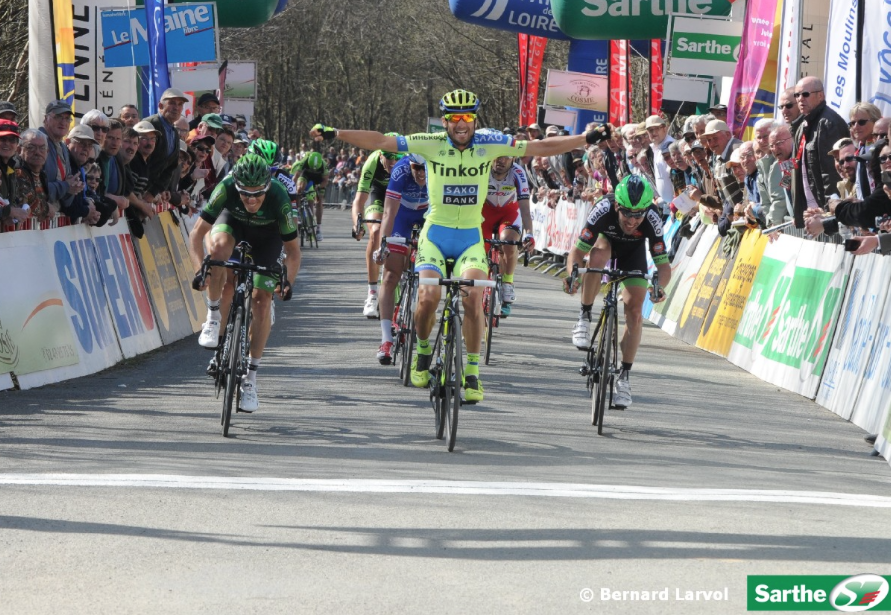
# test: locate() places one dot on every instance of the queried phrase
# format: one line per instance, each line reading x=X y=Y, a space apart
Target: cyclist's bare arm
x=196 y=242
x=525 y=215
x=292 y=258
x=391 y=208
x=366 y=139
x=358 y=209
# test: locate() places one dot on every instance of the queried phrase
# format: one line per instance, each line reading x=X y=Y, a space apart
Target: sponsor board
x=703 y=46
x=847 y=594
x=194 y=301
x=579 y=90
x=708 y=284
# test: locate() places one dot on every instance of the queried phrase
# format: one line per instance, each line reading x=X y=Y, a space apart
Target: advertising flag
x=157 y=46
x=655 y=76
x=532 y=50
x=842 y=46
x=876 y=56
x=753 y=55
x=619 y=84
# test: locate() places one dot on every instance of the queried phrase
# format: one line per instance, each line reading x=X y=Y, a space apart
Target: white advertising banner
x=812 y=56
x=790 y=44
x=125 y=290
x=540 y=214
x=858 y=340
x=876 y=56
x=564 y=225
x=842 y=46
x=580 y=90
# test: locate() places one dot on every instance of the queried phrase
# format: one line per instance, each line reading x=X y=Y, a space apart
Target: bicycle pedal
x=244 y=411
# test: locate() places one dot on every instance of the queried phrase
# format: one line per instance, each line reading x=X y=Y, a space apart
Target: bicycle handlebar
x=613 y=273
x=510 y=242
x=455 y=281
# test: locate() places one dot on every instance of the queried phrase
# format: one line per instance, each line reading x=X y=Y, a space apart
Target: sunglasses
x=847 y=159
x=880 y=135
x=787 y=105
x=391 y=156
x=98 y=127
x=202 y=148
x=885 y=158
x=805 y=94
x=630 y=213
x=454 y=118
x=853 y=123
x=252 y=193
x=418 y=167
x=92 y=178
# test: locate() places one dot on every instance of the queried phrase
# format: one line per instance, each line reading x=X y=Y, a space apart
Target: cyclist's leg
x=219 y=246
x=393 y=268
x=374 y=210
x=472 y=264
x=634 y=291
x=320 y=206
x=598 y=257
x=429 y=263
x=509 y=230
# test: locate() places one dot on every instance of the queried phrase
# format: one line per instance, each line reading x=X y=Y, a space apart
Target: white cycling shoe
x=249 y=399
x=580 y=333
x=210 y=334
x=622 y=393
x=370 y=310
x=508 y=294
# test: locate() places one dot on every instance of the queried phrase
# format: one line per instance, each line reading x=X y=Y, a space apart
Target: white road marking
x=558 y=490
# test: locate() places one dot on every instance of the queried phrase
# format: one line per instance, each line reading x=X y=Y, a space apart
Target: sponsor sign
x=686 y=89
x=709 y=285
x=190 y=30
x=580 y=90
x=700 y=46
x=565 y=225
x=194 y=301
x=848 y=594
x=521 y=16
x=619 y=83
x=627 y=19
x=34 y=331
x=876 y=57
x=842 y=46
x=241 y=80
x=753 y=57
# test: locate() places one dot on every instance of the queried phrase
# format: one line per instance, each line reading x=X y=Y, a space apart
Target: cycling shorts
x=405 y=219
x=266 y=245
x=374 y=206
x=631 y=257
x=496 y=219
x=439 y=243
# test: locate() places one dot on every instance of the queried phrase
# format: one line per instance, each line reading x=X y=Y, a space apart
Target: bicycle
x=231 y=356
x=601 y=365
x=492 y=303
x=447 y=377
x=306 y=221
x=404 y=336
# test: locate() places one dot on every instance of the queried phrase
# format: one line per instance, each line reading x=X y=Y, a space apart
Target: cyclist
x=373 y=180
x=246 y=206
x=458 y=165
x=271 y=153
x=619 y=227
x=404 y=207
x=311 y=170
x=506 y=213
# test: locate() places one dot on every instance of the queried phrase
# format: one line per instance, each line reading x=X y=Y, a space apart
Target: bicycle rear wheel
x=454 y=379
x=407 y=333
x=232 y=369
x=436 y=388
x=600 y=399
x=311 y=227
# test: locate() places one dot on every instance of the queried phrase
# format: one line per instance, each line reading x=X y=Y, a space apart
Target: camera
x=880 y=220
x=851 y=245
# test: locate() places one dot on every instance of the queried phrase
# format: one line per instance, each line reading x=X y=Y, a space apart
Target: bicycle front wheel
x=605 y=358
x=454 y=380
x=232 y=368
x=407 y=334
x=311 y=227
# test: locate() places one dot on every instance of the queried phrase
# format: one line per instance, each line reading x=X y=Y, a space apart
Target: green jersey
x=314 y=175
x=373 y=173
x=276 y=207
x=458 y=180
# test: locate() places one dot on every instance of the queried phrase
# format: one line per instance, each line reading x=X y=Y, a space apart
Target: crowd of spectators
x=96 y=169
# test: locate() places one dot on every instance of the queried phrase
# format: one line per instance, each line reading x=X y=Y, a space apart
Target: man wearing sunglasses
x=620 y=226
x=247 y=205
x=458 y=166
x=863 y=116
x=814 y=177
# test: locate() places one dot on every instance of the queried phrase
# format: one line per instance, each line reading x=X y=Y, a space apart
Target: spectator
x=773 y=198
x=710 y=208
x=201 y=148
x=682 y=171
x=612 y=154
x=783 y=149
x=754 y=209
x=206 y=103
x=221 y=148
x=880 y=130
x=721 y=143
x=698 y=126
x=139 y=209
x=813 y=178
x=98 y=123
x=30 y=176
x=560 y=164
x=115 y=179
x=164 y=165
x=10 y=203
x=141 y=163
x=598 y=180
x=719 y=112
x=789 y=109
x=844 y=152
x=255 y=134
x=534 y=132
x=863 y=116
x=92 y=210
x=657 y=130
x=240 y=122
x=8 y=111
x=182 y=128
x=61 y=183
x=129 y=116
x=239 y=147
x=228 y=122
x=689 y=135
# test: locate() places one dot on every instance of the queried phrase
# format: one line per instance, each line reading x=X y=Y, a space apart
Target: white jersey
x=510 y=190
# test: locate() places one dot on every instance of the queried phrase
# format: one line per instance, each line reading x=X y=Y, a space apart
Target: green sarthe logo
x=854 y=594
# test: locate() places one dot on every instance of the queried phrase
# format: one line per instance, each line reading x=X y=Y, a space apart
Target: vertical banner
x=842 y=51
x=41 y=60
x=63 y=22
x=753 y=54
x=532 y=50
x=765 y=104
x=619 y=96
x=876 y=57
x=789 y=49
x=157 y=46
x=655 y=76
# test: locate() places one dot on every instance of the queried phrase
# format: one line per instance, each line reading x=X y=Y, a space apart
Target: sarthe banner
x=842 y=46
x=876 y=57
x=532 y=50
x=753 y=55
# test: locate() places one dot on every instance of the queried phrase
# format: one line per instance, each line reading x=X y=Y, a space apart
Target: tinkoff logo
x=862 y=592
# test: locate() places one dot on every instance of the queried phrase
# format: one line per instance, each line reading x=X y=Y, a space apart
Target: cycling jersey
x=287 y=181
x=275 y=210
x=373 y=173
x=315 y=176
x=604 y=220
x=512 y=189
x=405 y=189
x=457 y=180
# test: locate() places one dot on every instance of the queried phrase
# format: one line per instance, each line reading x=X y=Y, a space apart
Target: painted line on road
x=554 y=490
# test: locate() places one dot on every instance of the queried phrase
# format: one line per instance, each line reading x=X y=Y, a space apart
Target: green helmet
x=251 y=170
x=314 y=161
x=265 y=149
x=634 y=193
x=458 y=101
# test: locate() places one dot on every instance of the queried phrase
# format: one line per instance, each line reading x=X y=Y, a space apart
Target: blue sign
x=190 y=30
x=521 y=16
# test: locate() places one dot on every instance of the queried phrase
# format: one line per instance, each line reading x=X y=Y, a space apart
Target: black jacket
x=164 y=169
x=821 y=128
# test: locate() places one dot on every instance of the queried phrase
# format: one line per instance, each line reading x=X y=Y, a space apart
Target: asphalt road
x=118 y=494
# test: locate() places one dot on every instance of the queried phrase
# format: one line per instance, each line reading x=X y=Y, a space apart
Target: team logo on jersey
x=480 y=151
x=586 y=235
x=658 y=247
x=460 y=195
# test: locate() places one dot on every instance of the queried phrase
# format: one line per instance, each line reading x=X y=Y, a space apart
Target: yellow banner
x=720 y=325
x=193 y=299
x=64 y=34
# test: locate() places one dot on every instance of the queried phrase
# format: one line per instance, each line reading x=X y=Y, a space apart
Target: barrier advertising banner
x=708 y=286
x=786 y=328
x=565 y=223
x=194 y=301
x=34 y=331
x=128 y=298
x=723 y=317
x=668 y=233
x=842 y=47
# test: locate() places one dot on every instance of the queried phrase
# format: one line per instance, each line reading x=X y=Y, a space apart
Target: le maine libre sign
x=703 y=46
x=191 y=31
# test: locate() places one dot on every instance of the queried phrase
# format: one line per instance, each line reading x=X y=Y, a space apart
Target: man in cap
x=86 y=204
x=10 y=207
x=657 y=130
x=534 y=132
x=8 y=112
x=228 y=121
x=719 y=111
x=206 y=103
x=141 y=164
x=164 y=163
x=61 y=183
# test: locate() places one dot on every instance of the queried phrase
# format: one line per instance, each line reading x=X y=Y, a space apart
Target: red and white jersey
x=510 y=190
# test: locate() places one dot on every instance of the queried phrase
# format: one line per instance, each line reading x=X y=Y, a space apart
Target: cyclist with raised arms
x=620 y=226
x=506 y=213
x=404 y=207
x=369 y=202
x=311 y=170
x=458 y=166
x=246 y=206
